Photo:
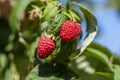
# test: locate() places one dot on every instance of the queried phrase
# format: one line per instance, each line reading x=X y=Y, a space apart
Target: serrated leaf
x=49 y=71
x=16 y=13
x=116 y=71
x=75 y=15
x=72 y=14
x=91 y=27
x=50 y=10
x=56 y=24
x=67 y=14
x=99 y=55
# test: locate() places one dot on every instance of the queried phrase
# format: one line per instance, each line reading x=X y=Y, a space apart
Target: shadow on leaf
x=50 y=71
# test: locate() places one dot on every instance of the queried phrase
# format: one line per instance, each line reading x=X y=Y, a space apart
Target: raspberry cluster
x=70 y=30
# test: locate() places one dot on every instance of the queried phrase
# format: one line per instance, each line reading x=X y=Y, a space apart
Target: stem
x=67 y=5
x=22 y=40
x=111 y=59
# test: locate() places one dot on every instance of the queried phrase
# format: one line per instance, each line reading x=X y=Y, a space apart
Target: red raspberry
x=70 y=31
x=45 y=47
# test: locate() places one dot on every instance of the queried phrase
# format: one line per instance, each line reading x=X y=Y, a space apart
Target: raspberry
x=70 y=30
x=45 y=47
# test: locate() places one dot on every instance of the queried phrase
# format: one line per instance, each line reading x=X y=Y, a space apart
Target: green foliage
x=17 y=13
x=67 y=48
x=116 y=71
x=11 y=73
x=32 y=49
x=98 y=55
x=51 y=71
x=90 y=61
x=91 y=27
x=109 y=76
x=3 y=61
x=51 y=10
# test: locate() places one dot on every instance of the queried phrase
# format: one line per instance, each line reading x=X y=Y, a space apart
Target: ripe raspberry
x=45 y=47
x=70 y=31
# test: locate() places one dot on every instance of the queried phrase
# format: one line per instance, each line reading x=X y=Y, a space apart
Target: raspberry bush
x=47 y=40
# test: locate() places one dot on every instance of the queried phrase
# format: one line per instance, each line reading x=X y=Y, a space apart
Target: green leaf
x=3 y=61
x=91 y=27
x=16 y=13
x=101 y=48
x=74 y=54
x=67 y=49
x=11 y=72
x=94 y=77
x=10 y=44
x=107 y=52
x=116 y=71
x=54 y=27
x=107 y=75
x=9 y=47
x=51 y=10
x=32 y=49
x=50 y=71
x=98 y=55
x=67 y=14
x=75 y=15
x=72 y=14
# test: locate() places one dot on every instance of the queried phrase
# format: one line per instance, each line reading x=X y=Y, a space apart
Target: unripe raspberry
x=70 y=30
x=45 y=47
